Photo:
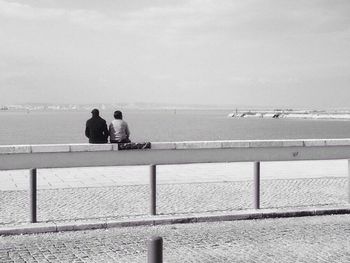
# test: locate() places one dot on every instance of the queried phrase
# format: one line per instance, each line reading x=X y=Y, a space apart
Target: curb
x=51 y=227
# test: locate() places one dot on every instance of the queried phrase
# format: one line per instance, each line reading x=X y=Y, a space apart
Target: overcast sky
x=252 y=52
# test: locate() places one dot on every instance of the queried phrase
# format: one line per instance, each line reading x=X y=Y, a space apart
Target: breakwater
x=292 y=114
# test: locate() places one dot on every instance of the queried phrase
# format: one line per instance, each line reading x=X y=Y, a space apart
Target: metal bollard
x=153 y=185
x=32 y=195
x=257 y=185
x=155 y=250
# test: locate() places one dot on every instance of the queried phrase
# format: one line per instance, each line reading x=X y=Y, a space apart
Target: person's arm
x=106 y=132
x=87 y=131
x=110 y=128
x=127 y=130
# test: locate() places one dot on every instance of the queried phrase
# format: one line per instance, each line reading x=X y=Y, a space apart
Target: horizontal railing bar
x=92 y=158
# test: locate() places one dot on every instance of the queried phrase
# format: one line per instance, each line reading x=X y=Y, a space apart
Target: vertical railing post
x=153 y=186
x=257 y=185
x=32 y=195
x=155 y=250
x=349 y=181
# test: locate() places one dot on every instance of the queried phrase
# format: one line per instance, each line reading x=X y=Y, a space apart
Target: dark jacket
x=96 y=130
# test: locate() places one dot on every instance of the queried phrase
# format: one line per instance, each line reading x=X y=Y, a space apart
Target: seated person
x=118 y=129
x=96 y=128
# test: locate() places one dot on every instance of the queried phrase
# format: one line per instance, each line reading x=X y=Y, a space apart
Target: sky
x=220 y=52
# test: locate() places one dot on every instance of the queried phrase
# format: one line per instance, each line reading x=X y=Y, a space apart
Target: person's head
x=118 y=115
x=95 y=112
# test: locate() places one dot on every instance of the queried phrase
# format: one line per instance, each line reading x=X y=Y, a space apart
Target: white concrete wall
x=81 y=155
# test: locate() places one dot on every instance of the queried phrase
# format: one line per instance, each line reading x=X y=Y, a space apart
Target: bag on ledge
x=134 y=146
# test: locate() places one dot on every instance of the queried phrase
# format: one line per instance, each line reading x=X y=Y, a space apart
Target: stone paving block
x=265 y=143
x=198 y=145
x=275 y=213
x=234 y=144
x=91 y=225
x=115 y=147
x=163 y=146
x=332 y=210
x=90 y=147
x=337 y=142
x=166 y=220
x=245 y=214
x=291 y=143
x=47 y=148
x=130 y=222
x=69 y=226
x=81 y=225
x=314 y=142
x=9 y=149
x=28 y=229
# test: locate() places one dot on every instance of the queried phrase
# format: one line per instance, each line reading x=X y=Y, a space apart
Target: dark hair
x=95 y=112
x=118 y=115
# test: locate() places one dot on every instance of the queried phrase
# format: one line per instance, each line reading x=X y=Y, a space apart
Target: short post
x=32 y=195
x=256 y=185
x=155 y=250
x=153 y=185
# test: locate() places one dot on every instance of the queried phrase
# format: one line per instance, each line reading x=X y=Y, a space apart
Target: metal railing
x=79 y=155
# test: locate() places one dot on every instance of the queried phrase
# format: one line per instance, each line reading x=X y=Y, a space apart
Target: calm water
x=165 y=125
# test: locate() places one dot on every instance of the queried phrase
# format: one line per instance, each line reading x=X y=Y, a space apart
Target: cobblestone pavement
x=133 y=200
x=303 y=239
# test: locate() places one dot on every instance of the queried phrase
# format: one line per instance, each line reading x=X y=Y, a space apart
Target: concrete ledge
x=234 y=144
x=86 y=147
x=198 y=145
x=312 y=142
x=184 y=145
x=174 y=219
x=11 y=149
x=337 y=142
x=47 y=148
x=265 y=143
x=291 y=143
x=163 y=146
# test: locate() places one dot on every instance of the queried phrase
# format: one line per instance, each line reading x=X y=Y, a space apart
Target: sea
x=41 y=127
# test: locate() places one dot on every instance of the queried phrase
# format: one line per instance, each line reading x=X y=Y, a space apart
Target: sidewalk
x=188 y=173
x=68 y=195
x=304 y=240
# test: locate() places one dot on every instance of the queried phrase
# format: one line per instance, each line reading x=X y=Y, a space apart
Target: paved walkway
x=183 y=189
x=189 y=173
x=123 y=192
x=304 y=239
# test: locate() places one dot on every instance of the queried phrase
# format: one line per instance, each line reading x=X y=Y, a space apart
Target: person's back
x=118 y=129
x=96 y=128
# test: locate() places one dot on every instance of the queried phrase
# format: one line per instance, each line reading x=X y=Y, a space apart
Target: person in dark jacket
x=96 y=128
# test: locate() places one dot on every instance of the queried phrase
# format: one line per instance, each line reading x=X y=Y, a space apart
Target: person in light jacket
x=118 y=129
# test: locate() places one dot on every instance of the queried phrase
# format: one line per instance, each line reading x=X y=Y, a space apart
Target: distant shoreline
x=290 y=114
x=328 y=115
